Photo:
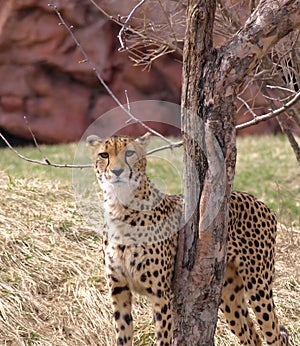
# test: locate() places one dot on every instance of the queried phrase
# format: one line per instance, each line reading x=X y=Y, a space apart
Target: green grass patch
x=266 y=167
x=18 y=168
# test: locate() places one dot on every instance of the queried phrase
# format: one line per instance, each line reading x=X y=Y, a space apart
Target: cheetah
x=142 y=233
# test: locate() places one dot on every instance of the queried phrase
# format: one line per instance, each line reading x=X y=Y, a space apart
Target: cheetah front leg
x=162 y=320
x=121 y=303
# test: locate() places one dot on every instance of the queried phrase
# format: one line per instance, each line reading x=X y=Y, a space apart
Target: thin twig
x=285 y=126
x=47 y=162
x=170 y=27
x=43 y=163
x=128 y=106
x=174 y=145
x=282 y=120
x=121 y=32
x=281 y=88
x=271 y=114
x=35 y=141
x=145 y=38
x=277 y=99
x=127 y=100
x=245 y=103
x=104 y=84
x=104 y=12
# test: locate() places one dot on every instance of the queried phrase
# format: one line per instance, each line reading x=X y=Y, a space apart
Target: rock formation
x=42 y=77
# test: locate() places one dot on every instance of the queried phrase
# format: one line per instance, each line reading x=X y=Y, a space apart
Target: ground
x=52 y=284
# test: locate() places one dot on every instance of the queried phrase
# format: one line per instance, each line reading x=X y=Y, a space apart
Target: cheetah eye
x=129 y=153
x=104 y=155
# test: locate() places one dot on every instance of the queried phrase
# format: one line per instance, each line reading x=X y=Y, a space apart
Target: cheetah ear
x=145 y=139
x=92 y=141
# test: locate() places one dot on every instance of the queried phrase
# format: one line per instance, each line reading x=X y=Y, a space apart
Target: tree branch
x=174 y=145
x=47 y=162
x=43 y=163
x=282 y=120
x=98 y=75
x=284 y=125
x=266 y=26
x=272 y=19
x=283 y=66
x=122 y=31
x=273 y=113
x=154 y=44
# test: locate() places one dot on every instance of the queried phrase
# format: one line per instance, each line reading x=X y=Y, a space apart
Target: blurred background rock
x=41 y=76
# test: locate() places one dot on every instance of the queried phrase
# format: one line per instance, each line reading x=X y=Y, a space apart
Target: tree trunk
x=210 y=84
x=209 y=137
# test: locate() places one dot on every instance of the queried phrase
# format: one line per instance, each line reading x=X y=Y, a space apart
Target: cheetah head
x=119 y=162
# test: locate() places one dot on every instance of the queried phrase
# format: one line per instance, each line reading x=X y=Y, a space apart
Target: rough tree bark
x=210 y=83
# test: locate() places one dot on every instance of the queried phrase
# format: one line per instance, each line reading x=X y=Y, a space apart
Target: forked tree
x=211 y=81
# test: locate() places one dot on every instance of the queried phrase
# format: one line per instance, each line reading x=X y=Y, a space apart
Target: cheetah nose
x=117 y=172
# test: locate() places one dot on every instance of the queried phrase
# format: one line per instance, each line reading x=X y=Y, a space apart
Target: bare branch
x=122 y=31
x=35 y=141
x=229 y=19
x=127 y=100
x=271 y=114
x=245 y=103
x=277 y=99
x=280 y=69
x=170 y=27
x=103 y=12
x=43 y=163
x=172 y=146
x=284 y=125
x=98 y=75
x=281 y=88
x=128 y=106
x=147 y=42
x=47 y=162
x=282 y=120
x=267 y=19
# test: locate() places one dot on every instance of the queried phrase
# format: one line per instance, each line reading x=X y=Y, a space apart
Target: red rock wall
x=42 y=79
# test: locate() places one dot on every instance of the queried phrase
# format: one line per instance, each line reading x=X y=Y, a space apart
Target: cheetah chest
x=144 y=269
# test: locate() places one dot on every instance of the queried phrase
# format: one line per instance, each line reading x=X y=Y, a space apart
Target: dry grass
x=52 y=285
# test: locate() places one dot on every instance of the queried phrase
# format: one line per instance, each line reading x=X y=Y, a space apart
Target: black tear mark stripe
x=129 y=167
x=106 y=169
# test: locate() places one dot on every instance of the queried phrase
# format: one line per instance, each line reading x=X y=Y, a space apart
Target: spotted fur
x=143 y=224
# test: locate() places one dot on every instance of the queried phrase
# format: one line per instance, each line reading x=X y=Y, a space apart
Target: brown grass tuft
x=52 y=285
